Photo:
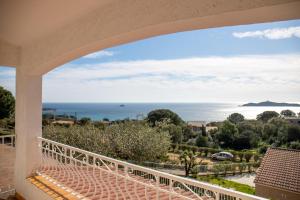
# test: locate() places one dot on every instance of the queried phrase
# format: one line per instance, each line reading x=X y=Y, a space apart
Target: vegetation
x=288 y=113
x=267 y=115
x=7 y=104
x=177 y=128
x=236 y=118
x=163 y=114
x=270 y=129
x=227 y=184
x=129 y=140
x=239 y=156
x=227 y=134
x=189 y=160
x=202 y=141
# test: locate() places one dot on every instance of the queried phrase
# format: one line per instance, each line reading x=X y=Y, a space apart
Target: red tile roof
x=280 y=169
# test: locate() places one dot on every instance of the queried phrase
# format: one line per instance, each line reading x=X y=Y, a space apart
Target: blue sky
x=231 y=64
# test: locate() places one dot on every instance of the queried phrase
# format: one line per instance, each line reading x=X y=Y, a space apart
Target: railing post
x=157 y=186
x=217 y=195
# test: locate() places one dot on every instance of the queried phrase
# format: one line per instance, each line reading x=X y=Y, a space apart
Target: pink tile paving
x=7 y=161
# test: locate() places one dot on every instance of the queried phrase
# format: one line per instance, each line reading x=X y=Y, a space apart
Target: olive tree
x=189 y=160
x=137 y=141
x=129 y=140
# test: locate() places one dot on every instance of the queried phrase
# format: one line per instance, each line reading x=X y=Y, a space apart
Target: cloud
x=198 y=79
x=7 y=78
x=272 y=34
x=99 y=54
x=236 y=78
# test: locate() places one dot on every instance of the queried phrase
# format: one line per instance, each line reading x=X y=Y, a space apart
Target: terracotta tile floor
x=7 y=161
x=102 y=184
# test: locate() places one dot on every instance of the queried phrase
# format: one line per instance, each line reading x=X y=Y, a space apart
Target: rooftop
x=197 y=123
x=280 y=169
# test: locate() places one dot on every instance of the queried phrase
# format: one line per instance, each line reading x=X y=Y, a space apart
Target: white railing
x=8 y=140
x=92 y=176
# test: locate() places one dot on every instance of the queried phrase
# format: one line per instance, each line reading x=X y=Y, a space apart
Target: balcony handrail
x=12 y=139
x=206 y=186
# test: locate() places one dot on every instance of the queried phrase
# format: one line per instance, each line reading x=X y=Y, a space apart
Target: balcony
x=67 y=172
x=38 y=37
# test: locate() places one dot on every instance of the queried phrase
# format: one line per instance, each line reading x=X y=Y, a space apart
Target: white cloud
x=272 y=34
x=200 y=79
x=99 y=54
x=7 y=78
x=238 y=78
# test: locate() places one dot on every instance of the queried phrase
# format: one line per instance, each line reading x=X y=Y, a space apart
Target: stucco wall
x=275 y=194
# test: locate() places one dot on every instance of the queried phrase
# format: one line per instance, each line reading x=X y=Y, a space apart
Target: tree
x=236 y=118
x=175 y=133
x=246 y=140
x=266 y=116
x=248 y=156
x=137 y=141
x=293 y=133
x=129 y=140
x=85 y=120
x=251 y=125
x=295 y=145
x=202 y=141
x=7 y=103
x=188 y=133
x=163 y=114
x=189 y=160
x=275 y=131
x=288 y=113
x=105 y=119
x=226 y=134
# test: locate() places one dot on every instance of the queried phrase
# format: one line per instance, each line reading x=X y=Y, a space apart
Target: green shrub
x=295 y=145
x=217 y=169
x=241 y=156
x=248 y=156
x=242 y=167
x=256 y=157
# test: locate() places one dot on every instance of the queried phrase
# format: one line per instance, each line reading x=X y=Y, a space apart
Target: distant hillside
x=270 y=103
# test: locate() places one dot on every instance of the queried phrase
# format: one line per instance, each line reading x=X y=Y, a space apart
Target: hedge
x=207 y=152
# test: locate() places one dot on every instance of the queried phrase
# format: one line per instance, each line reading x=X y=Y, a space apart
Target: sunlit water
x=187 y=111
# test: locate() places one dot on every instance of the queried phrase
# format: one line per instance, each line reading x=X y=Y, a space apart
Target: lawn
x=227 y=184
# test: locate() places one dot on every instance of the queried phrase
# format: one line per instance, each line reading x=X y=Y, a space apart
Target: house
x=211 y=128
x=278 y=177
x=201 y=127
x=197 y=126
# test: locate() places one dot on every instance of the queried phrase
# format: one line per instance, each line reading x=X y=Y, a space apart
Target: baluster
x=217 y=195
x=157 y=186
x=170 y=188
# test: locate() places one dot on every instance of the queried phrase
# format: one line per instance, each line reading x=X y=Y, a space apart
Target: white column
x=28 y=128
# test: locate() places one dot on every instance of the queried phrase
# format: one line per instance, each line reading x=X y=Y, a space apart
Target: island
x=270 y=103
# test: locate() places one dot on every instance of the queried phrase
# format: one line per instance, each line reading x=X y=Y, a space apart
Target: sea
x=187 y=111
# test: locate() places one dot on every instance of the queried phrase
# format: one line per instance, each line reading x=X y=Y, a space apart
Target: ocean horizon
x=187 y=111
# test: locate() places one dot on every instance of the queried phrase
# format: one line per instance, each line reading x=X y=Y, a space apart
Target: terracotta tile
x=280 y=168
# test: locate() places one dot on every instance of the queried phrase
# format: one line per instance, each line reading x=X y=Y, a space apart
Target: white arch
x=121 y=21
